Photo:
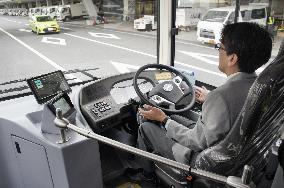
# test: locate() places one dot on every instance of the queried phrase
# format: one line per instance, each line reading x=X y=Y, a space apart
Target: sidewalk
x=183 y=35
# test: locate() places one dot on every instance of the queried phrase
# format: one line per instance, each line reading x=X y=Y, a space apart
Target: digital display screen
x=63 y=105
x=48 y=85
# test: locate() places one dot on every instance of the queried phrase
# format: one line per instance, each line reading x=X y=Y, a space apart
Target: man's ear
x=233 y=60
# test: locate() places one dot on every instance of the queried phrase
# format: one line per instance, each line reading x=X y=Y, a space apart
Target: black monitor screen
x=46 y=86
x=63 y=105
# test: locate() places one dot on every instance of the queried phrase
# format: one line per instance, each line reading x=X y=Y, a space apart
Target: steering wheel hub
x=176 y=94
x=168 y=87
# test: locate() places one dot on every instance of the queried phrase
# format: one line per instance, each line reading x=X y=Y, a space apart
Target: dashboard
x=106 y=102
x=103 y=102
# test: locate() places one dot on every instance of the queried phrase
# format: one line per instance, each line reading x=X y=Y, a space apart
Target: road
x=25 y=54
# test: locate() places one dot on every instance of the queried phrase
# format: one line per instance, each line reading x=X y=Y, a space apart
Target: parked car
x=44 y=24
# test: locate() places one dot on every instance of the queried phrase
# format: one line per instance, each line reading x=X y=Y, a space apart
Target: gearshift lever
x=61 y=123
x=59 y=114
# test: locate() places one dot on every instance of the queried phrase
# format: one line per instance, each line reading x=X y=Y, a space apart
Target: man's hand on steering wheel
x=152 y=113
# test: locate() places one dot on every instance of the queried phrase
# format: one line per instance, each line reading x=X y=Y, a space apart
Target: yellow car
x=44 y=24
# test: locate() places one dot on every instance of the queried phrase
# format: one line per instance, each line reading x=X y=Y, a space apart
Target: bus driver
x=244 y=48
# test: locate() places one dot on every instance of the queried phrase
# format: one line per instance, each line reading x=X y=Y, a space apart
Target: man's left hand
x=152 y=113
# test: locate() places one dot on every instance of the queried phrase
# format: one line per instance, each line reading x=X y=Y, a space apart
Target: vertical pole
x=173 y=38
x=237 y=10
x=158 y=29
x=165 y=32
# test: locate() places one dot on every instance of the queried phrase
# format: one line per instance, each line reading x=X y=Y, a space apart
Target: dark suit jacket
x=219 y=112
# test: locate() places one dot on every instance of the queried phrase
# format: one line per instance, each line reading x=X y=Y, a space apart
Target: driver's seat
x=255 y=130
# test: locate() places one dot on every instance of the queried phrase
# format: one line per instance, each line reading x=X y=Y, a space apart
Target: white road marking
x=52 y=40
x=146 y=54
x=25 y=30
x=19 y=22
x=103 y=35
x=201 y=69
x=111 y=45
x=199 y=54
x=146 y=36
x=49 y=61
x=27 y=24
x=142 y=53
x=123 y=68
x=201 y=57
x=154 y=37
x=123 y=32
x=66 y=28
x=198 y=45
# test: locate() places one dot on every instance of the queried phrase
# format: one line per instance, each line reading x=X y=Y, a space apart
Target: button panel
x=102 y=108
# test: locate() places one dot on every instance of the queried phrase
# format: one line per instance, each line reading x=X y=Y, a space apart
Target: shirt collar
x=233 y=75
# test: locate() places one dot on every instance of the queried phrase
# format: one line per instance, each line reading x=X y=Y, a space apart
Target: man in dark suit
x=244 y=48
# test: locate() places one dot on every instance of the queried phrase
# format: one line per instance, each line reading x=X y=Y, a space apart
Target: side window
x=258 y=13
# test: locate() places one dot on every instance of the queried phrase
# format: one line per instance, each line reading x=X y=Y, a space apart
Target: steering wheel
x=168 y=93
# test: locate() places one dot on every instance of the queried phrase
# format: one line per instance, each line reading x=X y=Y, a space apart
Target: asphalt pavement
x=113 y=48
x=183 y=36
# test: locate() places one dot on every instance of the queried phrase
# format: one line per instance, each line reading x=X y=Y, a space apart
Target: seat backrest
x=256 y=128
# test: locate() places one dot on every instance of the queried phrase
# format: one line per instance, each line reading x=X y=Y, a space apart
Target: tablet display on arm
x=46 y=86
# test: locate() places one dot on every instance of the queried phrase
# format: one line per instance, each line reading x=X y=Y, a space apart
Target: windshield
x=215 y=16
x=44 y=19
x=102 y=40
x=108 y=38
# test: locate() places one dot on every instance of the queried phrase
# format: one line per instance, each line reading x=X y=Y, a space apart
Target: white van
x=34 y=11
x=210 y=27
x=51 y=11
x=146 y=23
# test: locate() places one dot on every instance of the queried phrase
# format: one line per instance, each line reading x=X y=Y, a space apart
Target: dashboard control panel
x=104 y=103
x=104 y=113
x=101 y=108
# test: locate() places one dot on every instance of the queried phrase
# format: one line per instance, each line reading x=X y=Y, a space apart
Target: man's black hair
x=250 y=42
